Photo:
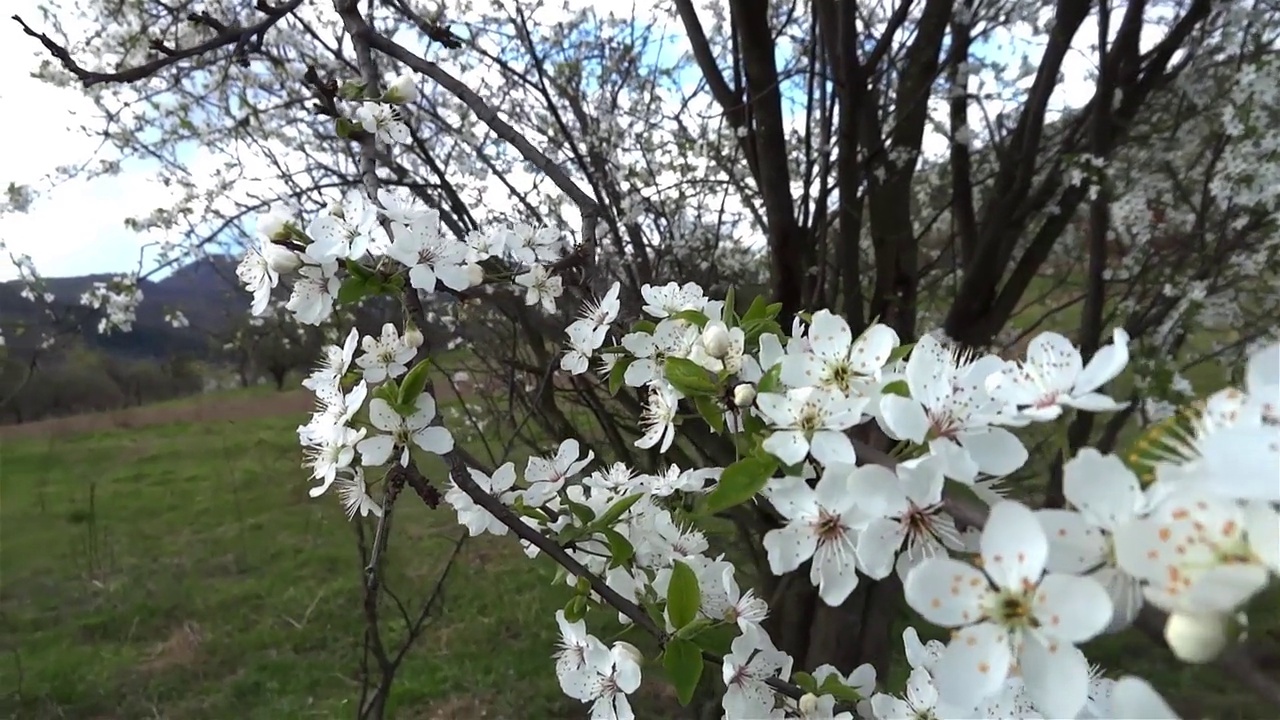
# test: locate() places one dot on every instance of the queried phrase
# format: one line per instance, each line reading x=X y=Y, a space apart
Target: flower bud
x=715 y=339
x=475 y=275
x=1196 y=638
x=404 y=89
x=413 y=337
x=274 y=224
x=744 y=394
x=627 y=649
x=808 y=705
x=281 y=259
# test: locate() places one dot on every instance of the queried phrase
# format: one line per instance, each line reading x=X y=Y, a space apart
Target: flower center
x=829 y=527
x=1012 y=608
x=810 y=419
x=839 y=375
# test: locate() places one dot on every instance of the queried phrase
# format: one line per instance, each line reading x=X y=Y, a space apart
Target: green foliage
x=690 y=378
x=682 y=660
x=740 y=482
x=414 y=382
x=683 y=596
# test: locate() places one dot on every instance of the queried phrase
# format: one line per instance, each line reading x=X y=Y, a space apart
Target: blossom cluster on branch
x=1189 y=524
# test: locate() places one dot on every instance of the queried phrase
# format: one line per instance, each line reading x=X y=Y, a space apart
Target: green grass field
x=180 y=571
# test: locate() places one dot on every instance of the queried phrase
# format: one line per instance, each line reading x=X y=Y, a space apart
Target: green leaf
x=897 y=387
x=358 y=270
x=773 y=310
x=644 y=326
x=353 y=289
x=619 y=547
x=618 y=373
x=683 y=662
x=388 y=391
x=730 y=308
x=683 y=596
x=841 y=692
x=740 y=482
x=414 y=382
x=718 y=638
x=351 y=90
x=805 y=682
x=710 y=410
x=584 y=514
x=771 y=381
x=900 y=352
x=690 y=378
x=345 y=129
x=576 y=608
x=615 y=511
x=754 y=328
x=757 y=311
x=693 y=629
x=692 y=316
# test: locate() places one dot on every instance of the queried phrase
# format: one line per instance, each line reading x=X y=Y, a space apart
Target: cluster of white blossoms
x=1193 y=531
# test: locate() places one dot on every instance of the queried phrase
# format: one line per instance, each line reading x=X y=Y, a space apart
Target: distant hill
x=205 y=291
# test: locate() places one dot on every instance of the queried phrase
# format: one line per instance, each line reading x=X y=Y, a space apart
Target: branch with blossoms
x=1048 y=581
x=1187 y=523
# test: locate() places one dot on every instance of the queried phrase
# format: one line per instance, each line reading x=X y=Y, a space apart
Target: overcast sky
x=78 y=227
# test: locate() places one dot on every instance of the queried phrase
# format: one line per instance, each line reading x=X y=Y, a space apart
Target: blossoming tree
x=866 y=464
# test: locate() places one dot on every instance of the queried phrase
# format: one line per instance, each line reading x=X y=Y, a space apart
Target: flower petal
x=904 y=417
x=1075 y=546
x=974 y=666
x=1014 y=547
x=1056 y=676
x=1071 y=608
x=789 y=546
x=946 y=592
x=1104 y=489
x=996 y=450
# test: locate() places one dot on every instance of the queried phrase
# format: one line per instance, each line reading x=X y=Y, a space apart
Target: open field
x=178 y=569
x=167 y=563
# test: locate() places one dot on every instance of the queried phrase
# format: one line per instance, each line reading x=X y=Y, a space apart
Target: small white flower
x=1011 y=610
x=752 y=660
x=354 y=495
x=541 y=287
x=810 y=420
x=546 y=476
x=383 y=121
x=475 y=518
x=400 y=432
x=658 y=418
x=313 y=293
x=834 y=360
x=429 y=254
x=1054 y=375
x=949 y=409
x=258 y=277
x=385 y=357
x=822 y=523
x=605 y=680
